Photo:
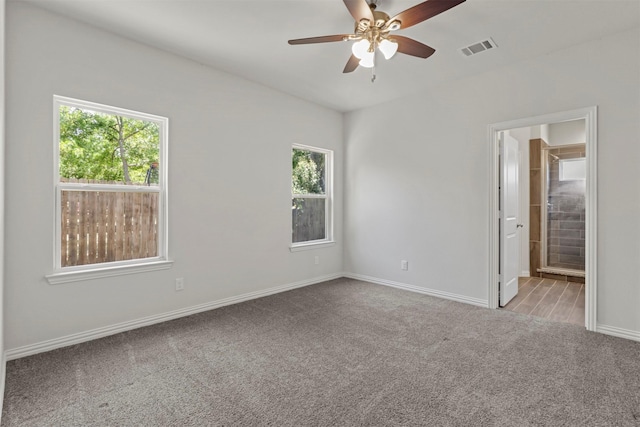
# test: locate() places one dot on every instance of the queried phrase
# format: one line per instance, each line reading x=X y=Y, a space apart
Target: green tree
x=106 y=147
x=308 y=172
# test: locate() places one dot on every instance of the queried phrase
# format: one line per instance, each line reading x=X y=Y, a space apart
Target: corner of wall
x=3 y=376
x=3 y=359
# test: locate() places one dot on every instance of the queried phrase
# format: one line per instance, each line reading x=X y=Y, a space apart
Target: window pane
x=108 y=226
x=573 y=169
x=308 y=219
x=107 y=148
x=308 y=172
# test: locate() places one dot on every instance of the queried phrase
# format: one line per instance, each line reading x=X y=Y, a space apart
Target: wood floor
x=551 y=299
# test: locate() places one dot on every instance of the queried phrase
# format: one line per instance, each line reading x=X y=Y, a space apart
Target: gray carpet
x=341 y=353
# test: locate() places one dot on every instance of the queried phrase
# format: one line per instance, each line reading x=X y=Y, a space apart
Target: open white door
x=509 y=242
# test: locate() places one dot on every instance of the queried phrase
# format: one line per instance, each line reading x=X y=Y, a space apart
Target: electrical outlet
x=317 y=260
x=179 y=284
x=404 y=265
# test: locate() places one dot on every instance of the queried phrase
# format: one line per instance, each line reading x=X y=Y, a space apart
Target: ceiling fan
x=373 y=30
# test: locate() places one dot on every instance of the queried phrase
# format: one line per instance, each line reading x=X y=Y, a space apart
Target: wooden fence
x=106 y=226
x=308 y=217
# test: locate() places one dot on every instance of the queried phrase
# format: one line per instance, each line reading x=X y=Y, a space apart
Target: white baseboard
x=618 y=332
x=92 y=334
x=426 y=291
x=3 y=377
x=525 y=273
x=41 y=347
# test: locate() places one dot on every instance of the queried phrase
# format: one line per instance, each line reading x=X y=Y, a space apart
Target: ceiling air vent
x=479 y=47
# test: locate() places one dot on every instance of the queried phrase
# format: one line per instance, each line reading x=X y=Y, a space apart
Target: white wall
x=230 y=149
x=567 y=133
x=2 y=162
x=417 y=172
x=540 y=132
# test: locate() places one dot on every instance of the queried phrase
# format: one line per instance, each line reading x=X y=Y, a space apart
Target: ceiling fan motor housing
x=379 y=18
x=377 y=30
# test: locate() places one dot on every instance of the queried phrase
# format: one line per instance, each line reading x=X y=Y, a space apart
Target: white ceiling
x=249 y=39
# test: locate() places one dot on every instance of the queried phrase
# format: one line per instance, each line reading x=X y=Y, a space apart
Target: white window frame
x=566 y=162
x=116 y=268
x=328 y=196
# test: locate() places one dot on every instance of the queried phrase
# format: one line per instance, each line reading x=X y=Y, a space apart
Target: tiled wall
x=565 y=212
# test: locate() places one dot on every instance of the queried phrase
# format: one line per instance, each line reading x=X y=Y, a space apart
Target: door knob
x=519 y=225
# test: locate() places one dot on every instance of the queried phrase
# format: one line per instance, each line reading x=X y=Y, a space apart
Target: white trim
x=589 y=114
x=3 y=251
x=314 y=244
x=618 y=332
x=3 y=378
x=107 y=109
x=114 y=188
x=101 y=271
x=591 y=212
x=525 y=273
x=308 y=196
x=312 y=148
x=494 y=215
x=41 y=347
x=98 y=270
x=426 y=291
x=328 y=196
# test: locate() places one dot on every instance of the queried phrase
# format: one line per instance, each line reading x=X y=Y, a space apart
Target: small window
x=573 y=169
x=110 y=174
x=311 y=195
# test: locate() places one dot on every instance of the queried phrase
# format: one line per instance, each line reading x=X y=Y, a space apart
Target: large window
x=311 y=195
x=110 y=174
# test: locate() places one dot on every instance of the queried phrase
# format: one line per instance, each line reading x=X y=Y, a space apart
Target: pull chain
x=373 y=69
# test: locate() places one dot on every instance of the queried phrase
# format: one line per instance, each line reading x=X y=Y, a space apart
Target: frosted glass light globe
x=367 y=60
x=388 y=48
x=360 y=48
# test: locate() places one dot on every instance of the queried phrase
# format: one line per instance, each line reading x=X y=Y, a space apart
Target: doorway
x=552 y=260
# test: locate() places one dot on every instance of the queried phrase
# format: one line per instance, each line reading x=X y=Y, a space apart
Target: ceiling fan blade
x=321 y=39
x=359 y=9
x=423 y=11
x=352 y=64
x=411 y=47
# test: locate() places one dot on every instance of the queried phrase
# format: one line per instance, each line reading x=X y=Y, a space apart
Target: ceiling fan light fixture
x=372 y=28
x=388 y=48
x=367 y=60
x=360 y=48
x=393 y=26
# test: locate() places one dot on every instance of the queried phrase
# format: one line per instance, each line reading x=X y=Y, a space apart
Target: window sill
x=312 y=245
x=101 y=272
